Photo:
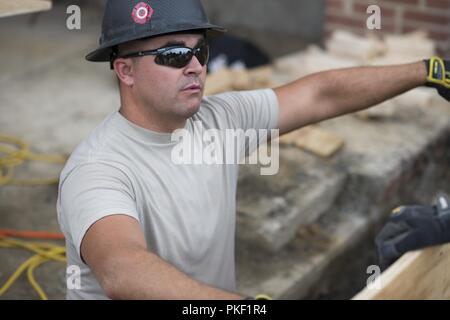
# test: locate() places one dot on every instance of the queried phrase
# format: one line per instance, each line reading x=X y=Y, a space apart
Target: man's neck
x=150 y=122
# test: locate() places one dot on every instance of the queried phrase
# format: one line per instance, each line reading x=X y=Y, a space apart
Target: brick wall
x=398 y=16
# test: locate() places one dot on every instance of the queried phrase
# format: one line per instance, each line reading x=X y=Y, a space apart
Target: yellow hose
x=13 y=152
x=44 y=252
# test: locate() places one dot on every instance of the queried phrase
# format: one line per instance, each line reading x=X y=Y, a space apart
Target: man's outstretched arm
x=115 y=249
x=333 y=93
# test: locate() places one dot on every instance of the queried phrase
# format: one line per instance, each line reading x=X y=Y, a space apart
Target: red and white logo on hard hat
x=142 y=13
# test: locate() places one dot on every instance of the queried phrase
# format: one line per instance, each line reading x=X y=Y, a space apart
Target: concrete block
x=293 y=272
x=270 y=209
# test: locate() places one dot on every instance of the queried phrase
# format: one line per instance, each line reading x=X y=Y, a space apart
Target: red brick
x=345 y=20
x=329 y=10
x=399 y=2
x=439 y=36
x=438 y=4
x=441 y=20
x=387 y=28
x=443 y=50
x=335 y=4
x=356 y=28
x=433 y=34
x=362 y=8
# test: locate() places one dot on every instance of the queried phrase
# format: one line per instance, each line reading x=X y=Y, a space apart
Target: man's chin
x=190 y=109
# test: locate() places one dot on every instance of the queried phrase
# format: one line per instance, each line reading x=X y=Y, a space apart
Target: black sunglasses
x=172 y=56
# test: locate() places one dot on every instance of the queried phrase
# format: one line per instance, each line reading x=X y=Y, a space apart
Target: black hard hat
x=126 y=20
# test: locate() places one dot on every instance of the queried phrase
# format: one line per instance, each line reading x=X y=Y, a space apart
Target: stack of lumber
x=239 y=79
x=314 y=140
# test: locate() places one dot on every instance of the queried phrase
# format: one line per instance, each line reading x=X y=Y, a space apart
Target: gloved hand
x=438 y=71
x=413 y=227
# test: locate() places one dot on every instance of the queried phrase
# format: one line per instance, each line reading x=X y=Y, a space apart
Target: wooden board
x=421 y=275
x=15 y=7
x=314 y=140
x=228 y=80
x=219 y=82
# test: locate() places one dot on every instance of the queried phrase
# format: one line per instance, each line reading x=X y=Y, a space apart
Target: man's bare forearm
x=333 y=93
x=349 y=90
x=143 y=275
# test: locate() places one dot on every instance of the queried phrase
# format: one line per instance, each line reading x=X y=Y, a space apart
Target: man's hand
x=412 y=228
x=438 y=72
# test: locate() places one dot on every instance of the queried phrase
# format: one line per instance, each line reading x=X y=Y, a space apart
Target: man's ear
x=124 y=71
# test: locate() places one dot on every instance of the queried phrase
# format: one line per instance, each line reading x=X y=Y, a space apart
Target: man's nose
x=194 y=66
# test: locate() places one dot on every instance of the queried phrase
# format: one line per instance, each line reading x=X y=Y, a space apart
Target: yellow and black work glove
x=411 y=228
x=438 y=71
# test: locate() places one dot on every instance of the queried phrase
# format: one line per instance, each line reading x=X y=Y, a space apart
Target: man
x=140 y=226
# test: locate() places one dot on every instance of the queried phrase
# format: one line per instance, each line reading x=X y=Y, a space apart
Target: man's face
x=166 y=91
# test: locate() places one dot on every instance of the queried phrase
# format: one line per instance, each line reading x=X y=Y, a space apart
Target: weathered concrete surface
x=271 y=209
x=51 y=98
x=42 y=40
x=386 y=162
x=291 y=273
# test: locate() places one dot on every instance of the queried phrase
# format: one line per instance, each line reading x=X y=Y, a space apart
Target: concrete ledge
x=293 y=272
x=385 y=162
x=270 y=209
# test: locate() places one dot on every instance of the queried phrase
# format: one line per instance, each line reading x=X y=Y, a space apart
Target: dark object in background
x=233 y=52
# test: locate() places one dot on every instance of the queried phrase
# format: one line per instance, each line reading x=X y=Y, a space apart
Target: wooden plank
x=315 y=140
x=260 y=77
x=350 y=45
x=15 y=7
x=228 y=80
x=420 y=275
x=219 y=82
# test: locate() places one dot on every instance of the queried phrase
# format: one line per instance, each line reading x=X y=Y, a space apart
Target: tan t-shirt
x=186 y=211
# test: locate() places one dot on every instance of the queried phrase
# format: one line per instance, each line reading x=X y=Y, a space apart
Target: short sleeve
x=255 y=109
x=91 y=192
